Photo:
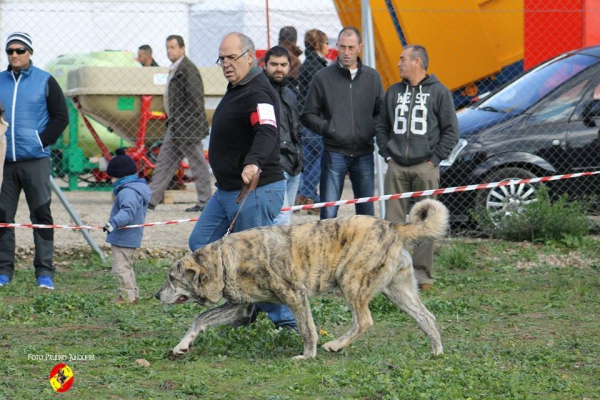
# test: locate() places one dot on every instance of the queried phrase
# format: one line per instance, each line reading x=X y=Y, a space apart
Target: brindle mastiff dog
x=360 y=255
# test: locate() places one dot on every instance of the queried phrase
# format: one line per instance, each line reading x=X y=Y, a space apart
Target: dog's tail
x=428 y=220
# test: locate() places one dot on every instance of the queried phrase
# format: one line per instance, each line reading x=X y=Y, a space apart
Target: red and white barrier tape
x=40 y=226
x=457 y=189
x=386 y=197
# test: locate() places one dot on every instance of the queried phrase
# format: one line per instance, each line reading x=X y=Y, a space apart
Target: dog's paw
x=302 y=357
x=333 y=346
x=178 y=352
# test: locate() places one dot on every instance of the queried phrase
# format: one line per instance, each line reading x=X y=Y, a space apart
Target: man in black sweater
x=244 y=141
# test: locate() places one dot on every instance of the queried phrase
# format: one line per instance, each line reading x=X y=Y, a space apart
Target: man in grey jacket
x=186 y=127
x=341 y=103
x=416 y=130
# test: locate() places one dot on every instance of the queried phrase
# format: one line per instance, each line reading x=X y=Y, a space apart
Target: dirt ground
x=93 y=207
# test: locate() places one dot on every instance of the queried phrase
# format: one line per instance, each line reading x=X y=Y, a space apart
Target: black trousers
x=33 y=178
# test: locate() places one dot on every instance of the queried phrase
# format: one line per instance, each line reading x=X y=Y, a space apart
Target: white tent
x=210 y=20
x=83 y=26
x=67 y=27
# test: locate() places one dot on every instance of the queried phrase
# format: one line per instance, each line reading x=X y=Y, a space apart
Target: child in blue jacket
x=132 y=196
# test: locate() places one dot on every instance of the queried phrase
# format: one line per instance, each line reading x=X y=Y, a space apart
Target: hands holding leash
x=249 y=172
x=246 y=189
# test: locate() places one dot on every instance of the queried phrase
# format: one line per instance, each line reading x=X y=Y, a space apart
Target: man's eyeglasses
x=229 y=59
x=19 y=51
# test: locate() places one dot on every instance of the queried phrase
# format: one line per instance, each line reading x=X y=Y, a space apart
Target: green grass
x=518 y=321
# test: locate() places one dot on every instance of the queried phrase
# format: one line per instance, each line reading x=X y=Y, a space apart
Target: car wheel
x=502 y=201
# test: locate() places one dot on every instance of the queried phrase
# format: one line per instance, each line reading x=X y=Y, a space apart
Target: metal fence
x=541 y=124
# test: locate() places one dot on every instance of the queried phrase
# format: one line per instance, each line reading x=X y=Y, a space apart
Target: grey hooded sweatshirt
x=417 y=123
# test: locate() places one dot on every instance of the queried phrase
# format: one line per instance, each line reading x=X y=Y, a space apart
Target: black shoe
x=151 y=207
x=196 y=208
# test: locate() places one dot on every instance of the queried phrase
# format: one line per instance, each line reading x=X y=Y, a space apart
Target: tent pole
x=268 y=26
x=75 y=216
x=369 y=59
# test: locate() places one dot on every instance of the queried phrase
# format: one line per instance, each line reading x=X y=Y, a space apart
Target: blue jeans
x=260 y=209
x=312 y=150
x=334 y=167
x=291 y=189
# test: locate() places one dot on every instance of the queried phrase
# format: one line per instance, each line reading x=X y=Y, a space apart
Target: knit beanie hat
x=121 y=165
x=22 y=38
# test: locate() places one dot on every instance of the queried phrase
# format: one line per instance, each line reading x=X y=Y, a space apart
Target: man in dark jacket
x=277 y=68
x=244 y=142
x=416 y=130
x=37 y=115
x=342 y=101
x=186 y=127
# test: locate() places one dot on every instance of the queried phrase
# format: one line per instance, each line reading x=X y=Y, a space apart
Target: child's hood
x=139 y=186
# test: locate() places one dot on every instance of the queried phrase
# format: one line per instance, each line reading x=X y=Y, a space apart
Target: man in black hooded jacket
x=277 y=68
x=342 y=102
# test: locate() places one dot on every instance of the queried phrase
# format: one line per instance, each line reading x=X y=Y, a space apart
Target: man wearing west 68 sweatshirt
x=416 y=130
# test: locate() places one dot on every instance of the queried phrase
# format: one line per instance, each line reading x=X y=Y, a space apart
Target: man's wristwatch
x=387 y=159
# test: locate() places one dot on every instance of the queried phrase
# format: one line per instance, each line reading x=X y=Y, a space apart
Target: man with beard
x=277 y=68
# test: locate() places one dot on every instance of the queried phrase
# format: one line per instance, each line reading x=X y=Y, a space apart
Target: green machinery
x=73 y=153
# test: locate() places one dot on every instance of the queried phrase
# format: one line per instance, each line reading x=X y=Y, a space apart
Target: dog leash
x=244 y=193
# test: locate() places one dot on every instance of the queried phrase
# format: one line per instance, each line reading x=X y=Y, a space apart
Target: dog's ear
x=195 y=270
x=175 y=271
x=209 y=280
x=191 y=276
x=197 y=256
x=179 y=267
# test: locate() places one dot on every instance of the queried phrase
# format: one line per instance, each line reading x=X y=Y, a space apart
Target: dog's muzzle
x=180 y=299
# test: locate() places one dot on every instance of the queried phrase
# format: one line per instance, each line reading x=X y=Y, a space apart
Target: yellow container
x=467 y=40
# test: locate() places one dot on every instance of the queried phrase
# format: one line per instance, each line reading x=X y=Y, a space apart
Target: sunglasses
x=20 y=51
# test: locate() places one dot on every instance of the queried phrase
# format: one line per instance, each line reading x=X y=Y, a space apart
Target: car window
x=530 y=88
x=593 y=94
x=561 y=107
